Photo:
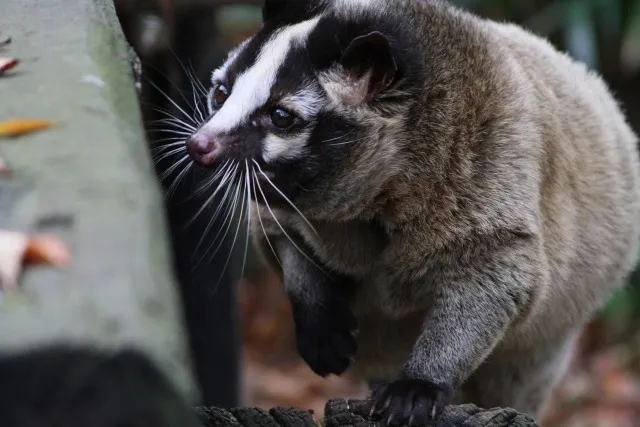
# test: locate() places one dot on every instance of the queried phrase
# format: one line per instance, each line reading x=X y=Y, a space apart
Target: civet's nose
x=202 y=149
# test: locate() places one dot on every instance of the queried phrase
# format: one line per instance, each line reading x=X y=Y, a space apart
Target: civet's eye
x=282 y=118
x=220 y=94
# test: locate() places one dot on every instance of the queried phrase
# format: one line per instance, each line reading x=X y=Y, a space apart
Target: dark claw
x=409 y=402
x=325 y=336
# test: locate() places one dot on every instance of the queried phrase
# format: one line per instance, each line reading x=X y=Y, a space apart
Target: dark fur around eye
x=283 y=118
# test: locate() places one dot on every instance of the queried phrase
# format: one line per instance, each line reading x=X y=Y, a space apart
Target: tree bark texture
x=353 y=413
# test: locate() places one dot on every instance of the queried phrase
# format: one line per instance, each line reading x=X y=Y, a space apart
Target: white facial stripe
x=277 y=148
x=253 y=87
x=307 y=102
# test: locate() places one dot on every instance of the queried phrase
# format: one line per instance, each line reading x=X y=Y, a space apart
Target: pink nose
x=201 y=149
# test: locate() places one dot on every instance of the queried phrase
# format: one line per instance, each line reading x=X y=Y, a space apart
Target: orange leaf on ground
x=18 y=127
x=47 y=249
x=7 y=63
x=17 y=249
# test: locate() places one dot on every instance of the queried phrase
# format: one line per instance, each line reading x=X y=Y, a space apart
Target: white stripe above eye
x=253 y=87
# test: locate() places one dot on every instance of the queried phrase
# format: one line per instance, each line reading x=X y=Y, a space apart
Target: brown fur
x=507 y=213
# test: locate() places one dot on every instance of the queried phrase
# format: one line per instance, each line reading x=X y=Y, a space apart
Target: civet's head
x=315 y=102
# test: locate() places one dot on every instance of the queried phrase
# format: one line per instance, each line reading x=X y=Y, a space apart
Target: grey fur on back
x=486 y=209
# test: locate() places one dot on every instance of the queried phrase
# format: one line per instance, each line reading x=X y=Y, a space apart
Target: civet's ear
x=369 y=61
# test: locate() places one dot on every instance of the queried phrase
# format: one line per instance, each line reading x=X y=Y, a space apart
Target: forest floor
x=600 y=390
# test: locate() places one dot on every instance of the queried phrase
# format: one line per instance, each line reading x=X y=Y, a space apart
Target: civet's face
x=307 y=107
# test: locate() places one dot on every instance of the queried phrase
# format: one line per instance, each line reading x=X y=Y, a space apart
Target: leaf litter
x=7 y=63
x=19 y=249
x=18 y=127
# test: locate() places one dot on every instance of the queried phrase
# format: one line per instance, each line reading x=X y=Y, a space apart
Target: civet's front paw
x=326 y=335
x=409 y=402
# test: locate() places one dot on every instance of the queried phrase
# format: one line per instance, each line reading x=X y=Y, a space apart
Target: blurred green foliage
x=603 y=33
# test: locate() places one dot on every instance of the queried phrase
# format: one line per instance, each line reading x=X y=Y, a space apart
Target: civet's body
x=466 y=197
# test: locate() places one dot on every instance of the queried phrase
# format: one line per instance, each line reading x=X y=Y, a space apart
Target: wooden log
x=88 y=180
x=353 y=413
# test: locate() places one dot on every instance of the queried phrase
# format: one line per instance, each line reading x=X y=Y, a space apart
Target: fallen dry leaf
x=7 y=63
x=18 y=127
x=47 y=249
x=17 y=249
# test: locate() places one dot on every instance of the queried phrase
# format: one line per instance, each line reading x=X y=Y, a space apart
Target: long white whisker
x=351 y=141
x=235 y=237
x=174 y=84
x=161 y=156
x=172 y=102
x=168 y=114
x=202 y=188
x=195 y=102
x=337 y=137
x=248 y=196
x=162 y=149
x=219 y=187
x=346 y=142
x=285 y=232
x=264 y=231
x=192 y=78
x=184 y=68
x=285 y=197
x=199 y=84
x=168 y=172
x=176 y=181
x=266 y=236
x=223 y=203
x=171 y=120
x=180 y=133
x=226 y=225
x=230 y=173
x=171 y=126
x=173 y=139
